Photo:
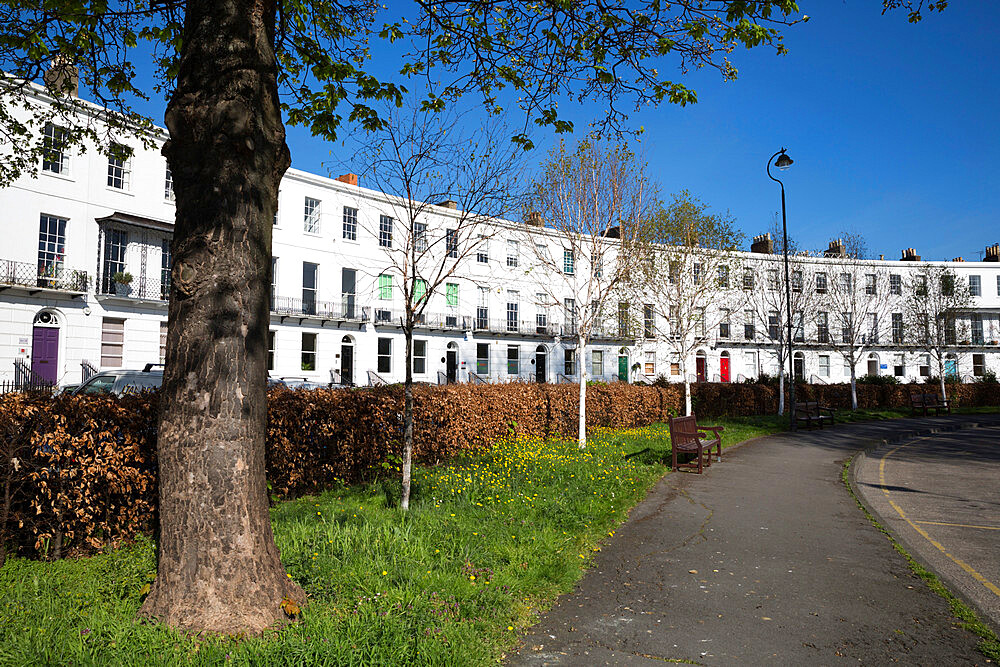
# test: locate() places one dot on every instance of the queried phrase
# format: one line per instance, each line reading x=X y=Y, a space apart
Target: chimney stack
x=992 y=253
x=909 y=255
x=533 y=219
x=763 y=244
x=836 y=249
x=62 y=77
x=350 y=179
x=958 y=259
x=449 y=203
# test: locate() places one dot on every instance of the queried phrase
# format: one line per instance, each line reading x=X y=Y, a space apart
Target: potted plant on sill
x=122 y=281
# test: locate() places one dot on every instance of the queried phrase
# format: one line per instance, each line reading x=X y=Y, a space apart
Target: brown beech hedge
x=79 y=474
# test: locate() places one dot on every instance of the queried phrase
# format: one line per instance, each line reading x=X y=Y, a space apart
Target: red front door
x=700 y=367
x=724 y=369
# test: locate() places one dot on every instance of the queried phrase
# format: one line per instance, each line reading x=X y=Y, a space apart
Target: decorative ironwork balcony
x=42 y=276
x=341 y=311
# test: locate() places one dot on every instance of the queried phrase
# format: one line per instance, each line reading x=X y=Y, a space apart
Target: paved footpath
x=765 y=559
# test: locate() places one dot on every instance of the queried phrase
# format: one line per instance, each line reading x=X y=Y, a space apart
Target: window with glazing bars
x=822 y=327
x=513 y=360
x=483 y=309
x=976 y=320
x=310 y=273
x=350 y=223
x=897 y=327
x=119 y=169
x=512 y=253
x=385 y=231
x=166 y=263
x=420 y=236
x=51 y=245
x=569 y=263
x=821 y=283
x=115 y=246
x=512 y=310
x=168 y=185
x=54 y=149
x=311 y=217
x=895 y=284
x=451 y=242
x=648 y=321
x=483 y=250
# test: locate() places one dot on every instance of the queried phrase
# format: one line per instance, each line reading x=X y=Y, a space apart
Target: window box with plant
x=123 y=283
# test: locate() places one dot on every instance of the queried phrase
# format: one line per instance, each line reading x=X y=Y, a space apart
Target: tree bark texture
x=582 y=413
x=854 y=387
x=218 y=569
x=407 y=471
x=781 y=390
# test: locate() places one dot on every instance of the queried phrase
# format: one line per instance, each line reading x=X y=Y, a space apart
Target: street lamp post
x=784 y=162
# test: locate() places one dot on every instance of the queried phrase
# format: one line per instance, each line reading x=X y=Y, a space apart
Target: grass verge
x=989 y=644
x=490 y=541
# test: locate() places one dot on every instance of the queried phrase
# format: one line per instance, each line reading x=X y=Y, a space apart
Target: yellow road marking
x=957 y=525
x=962 y=564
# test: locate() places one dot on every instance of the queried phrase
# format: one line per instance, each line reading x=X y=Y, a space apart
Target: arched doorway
x=347 y=361
x=623 y=374
x=724 y=367
x=45 y=346
x=701 y=366
x=799 y=366
x=451 y=362
x=541 y=370
x=872 y=364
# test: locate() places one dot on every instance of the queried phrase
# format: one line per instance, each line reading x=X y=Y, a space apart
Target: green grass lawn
x=489 y=542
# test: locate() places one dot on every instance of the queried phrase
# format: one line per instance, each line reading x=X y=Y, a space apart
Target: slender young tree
x=224 y=65
x=685 y=277
x=445 y=186
x=860 y=304
x=770 y=312
x=592 y=200
x=935 y=305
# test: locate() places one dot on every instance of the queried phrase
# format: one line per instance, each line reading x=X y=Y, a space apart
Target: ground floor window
x=513 y=360
x=420 y=356
x=597 y=363
x=898 y=366
x=112 y=342
x=384 y=355
x=978 y=364
x=163 y=342
x=649 y=364
x=824 y=365
x=270 y=350
x=750 y=364
x=675 y=368
x=308 y=351
x=483 y=358
x=569 y=362
x=925 y=365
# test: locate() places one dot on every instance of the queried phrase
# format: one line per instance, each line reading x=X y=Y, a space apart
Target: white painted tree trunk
x=687 y=388
x=854 y=387
x=582 y=424
x=944 y=396
x=781 y=390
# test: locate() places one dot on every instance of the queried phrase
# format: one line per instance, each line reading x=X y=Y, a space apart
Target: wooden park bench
x=924 y=402
x=686 y=436
x=812 y=413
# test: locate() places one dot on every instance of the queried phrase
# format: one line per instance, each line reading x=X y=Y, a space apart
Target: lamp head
x=783 y=162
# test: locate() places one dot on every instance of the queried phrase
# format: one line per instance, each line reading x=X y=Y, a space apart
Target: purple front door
x=45 y=353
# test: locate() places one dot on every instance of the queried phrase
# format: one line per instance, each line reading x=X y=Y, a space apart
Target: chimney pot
x=836 y=249
x=909 y=255
x=763 y=244
x=992 y=253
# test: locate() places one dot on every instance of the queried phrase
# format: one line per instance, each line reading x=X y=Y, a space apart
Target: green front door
x=623 y=368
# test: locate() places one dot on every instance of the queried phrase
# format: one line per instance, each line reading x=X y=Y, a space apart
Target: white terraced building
x=336 y=305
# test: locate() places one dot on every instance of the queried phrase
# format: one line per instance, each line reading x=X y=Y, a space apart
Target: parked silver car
x=123 y=381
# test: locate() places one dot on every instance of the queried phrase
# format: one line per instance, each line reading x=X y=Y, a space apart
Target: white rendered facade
x=87 y=217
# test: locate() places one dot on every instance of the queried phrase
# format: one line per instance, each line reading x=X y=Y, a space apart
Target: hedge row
x=80 y=473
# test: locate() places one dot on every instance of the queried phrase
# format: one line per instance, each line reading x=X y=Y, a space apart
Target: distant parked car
x=123 y=381
x=302 y=383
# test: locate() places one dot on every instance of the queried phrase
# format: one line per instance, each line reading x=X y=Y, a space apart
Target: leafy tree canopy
x=531 y=53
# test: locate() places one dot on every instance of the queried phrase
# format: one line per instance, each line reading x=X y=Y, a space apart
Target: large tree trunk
x=218 y=569
x=581 y=358
x=404 y=502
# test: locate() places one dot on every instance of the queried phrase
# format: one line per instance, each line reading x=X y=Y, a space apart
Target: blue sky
x=892 y=126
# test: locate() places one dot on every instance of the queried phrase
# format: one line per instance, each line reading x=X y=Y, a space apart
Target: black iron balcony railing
x=347 y=311
x=150 y=289
x=42 y=275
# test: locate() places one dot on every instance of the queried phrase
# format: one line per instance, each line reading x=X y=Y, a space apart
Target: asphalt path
x=765 y=559
x=940 y=496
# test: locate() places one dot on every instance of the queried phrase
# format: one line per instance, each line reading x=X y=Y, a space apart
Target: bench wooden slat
x=687 y=436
